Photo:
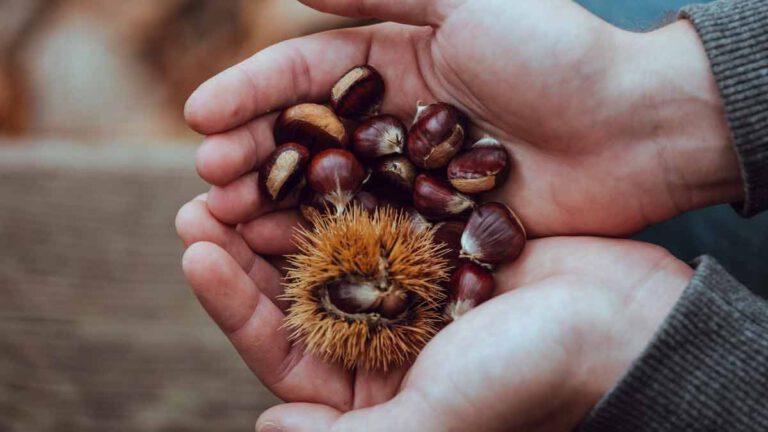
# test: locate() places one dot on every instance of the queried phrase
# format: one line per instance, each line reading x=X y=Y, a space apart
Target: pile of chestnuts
x=330 y=156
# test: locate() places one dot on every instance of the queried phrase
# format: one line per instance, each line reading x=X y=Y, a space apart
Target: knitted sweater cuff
x=735 y=35
x=706 y=369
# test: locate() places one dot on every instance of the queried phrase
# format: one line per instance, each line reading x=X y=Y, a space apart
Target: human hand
x=609 y=130
x=566 y=321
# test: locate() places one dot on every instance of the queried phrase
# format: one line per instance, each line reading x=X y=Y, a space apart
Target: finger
x=406 y=412
x=224 y=157
x=195 y=223
x=239 y=201
x=272 y=233
x=416 y=12
x=297 y=417
x=269 y=279
x=376 y=387
x=254 y=325
x=302 y=69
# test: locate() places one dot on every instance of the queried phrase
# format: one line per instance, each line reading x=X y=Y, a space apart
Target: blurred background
x=98 y=330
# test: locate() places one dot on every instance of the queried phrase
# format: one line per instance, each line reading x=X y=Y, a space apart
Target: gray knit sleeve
x=735 y=35
x=706 y=369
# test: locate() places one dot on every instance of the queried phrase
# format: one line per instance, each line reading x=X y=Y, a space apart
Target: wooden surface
x=98 y=330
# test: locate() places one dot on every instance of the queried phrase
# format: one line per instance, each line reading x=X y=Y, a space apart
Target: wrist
x=627 y=320
x=682 y=108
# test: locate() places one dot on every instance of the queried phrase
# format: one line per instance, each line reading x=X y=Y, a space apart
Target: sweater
x=706 y=369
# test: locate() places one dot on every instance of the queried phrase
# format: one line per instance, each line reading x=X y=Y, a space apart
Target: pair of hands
x=609 y=131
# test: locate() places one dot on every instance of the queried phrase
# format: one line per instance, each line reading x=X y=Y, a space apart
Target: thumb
x=416 y=12
x=406 y=412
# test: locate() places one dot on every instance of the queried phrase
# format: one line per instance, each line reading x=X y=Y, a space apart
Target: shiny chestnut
x=395 y=171
x=283 y=170
x=436 y=199
x=337 y=176
x=493 y=235
x=358 y=93
x=436 y=135
x=418 y=222
x=312 y=205
x=378 y=136
x=469 y=286
x=314 y=126
x=366 y=200
x=483 y=167
x=356 y=295
x=449 y=234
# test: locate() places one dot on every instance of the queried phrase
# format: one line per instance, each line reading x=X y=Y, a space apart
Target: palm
x=514 y=361
x=536 y=84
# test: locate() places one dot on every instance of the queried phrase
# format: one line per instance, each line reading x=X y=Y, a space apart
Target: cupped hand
x=609 y=130
x=566 y=321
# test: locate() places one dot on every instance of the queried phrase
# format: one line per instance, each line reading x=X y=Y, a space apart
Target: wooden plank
x=98 y=330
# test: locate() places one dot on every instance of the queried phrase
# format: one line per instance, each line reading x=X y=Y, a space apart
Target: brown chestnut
x=449 y=233
x=493 y=235
x=367 y=201
x=418 y=222
x=481 y=168
x=357 y=295
x=358 y=93
x=312 y=205
x=312 y=125
x=436 y=135
x=378 y=136
x=395 y=171
x=436 y=199
x=336 y=175
x=283 y=170
x=469 y=286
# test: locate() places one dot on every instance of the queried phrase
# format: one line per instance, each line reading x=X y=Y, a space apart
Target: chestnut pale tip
x=378 y=136
x=469 y=286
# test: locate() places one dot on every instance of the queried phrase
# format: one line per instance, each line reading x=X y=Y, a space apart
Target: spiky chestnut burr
x=365 y=290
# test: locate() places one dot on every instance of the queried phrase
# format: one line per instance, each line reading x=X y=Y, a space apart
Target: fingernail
x=269 y=427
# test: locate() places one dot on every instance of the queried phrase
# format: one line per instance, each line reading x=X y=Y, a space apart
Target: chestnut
x=313 y=205
x=436 y=135
x=358 y=93
x=436 y=199
x=283 y=170
x=481 y=168
x=336 y=175
x=395 y=171
x=355 y=296
x=418 y=222
x=367 y=201
x=493 y=235
x=312 y=125
x=469 y=286
x=449 y=233
x=378 y=136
